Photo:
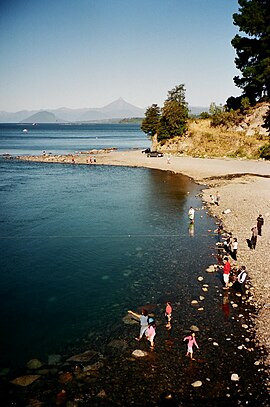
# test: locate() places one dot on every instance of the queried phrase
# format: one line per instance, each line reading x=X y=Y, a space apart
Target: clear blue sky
x=87 y=53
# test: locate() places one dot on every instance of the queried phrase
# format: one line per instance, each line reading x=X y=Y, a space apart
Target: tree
x=253 y=50
x=171 y=120
x=174 y=115
x=151 y=121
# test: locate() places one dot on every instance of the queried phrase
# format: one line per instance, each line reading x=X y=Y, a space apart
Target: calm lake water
x=80 y=245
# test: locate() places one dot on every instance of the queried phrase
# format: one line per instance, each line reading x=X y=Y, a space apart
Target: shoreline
x=244 y=188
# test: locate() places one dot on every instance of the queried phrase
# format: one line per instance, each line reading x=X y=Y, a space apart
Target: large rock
x=83 y=357
x=34 y=364
x=25 y=380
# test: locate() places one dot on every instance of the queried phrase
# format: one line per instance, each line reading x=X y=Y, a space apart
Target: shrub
x=265 y=151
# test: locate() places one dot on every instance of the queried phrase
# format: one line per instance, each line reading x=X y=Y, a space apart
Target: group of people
x=231 y=246
x=215 y=200
x=237 y=277
x=148 y=328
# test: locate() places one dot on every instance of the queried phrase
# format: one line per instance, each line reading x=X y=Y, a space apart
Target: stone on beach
x=235 y=377
x=139 y=353
x=198 y=383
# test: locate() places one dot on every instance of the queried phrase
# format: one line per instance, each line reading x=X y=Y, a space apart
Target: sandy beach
x=244 y=188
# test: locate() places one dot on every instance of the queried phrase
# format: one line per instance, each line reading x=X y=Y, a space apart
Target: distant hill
x=42 y=117
x=119 y=109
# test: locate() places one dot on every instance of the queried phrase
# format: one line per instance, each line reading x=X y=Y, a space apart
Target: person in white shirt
x=191 y=214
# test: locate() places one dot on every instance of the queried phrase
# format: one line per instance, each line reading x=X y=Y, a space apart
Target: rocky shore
x=244 y=188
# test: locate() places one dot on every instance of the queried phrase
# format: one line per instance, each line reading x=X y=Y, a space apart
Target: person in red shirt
x=226 y=272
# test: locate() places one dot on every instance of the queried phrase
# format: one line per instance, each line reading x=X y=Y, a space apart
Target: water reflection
x=191 y=229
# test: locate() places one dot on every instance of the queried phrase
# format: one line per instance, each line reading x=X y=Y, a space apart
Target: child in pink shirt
x=168 y=314
x=191 y=341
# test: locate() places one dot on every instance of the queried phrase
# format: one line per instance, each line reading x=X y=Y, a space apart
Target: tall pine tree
x=253 y=50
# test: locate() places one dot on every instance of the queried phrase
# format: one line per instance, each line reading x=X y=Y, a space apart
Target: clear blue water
x=80 y=245
x=68 y=138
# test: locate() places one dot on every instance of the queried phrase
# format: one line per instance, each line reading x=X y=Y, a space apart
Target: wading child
x=151 y=332
x=168 y=314
x=191 y=341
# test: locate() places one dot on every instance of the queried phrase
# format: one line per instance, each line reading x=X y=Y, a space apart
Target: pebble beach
x=244 y=188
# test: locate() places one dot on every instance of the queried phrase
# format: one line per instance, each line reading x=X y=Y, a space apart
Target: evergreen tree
x=253 y=50
x=151 y=121
x=174 y=115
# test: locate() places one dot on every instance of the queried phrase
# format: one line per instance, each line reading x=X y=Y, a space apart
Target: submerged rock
x=194 y=328
x=34 y=364
x=25 y=380
x=118 y=344
x=83 y=357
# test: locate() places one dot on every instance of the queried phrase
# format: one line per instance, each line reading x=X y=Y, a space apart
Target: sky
x=88 y=53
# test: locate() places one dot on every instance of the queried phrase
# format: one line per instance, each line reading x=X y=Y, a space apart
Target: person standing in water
x=151 y=332
x=168 y=314
x=226 y=272
x=191 y=214
x=143 y=318
x=191 y=341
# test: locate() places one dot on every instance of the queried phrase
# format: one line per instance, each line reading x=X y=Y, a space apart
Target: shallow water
x=80 y=245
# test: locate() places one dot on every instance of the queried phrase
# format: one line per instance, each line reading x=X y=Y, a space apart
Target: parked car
x=154 y=154
x=146 y=151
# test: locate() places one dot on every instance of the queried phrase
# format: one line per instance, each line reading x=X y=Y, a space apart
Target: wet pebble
x=139 y=353
x=235 y=377
x=198 y=383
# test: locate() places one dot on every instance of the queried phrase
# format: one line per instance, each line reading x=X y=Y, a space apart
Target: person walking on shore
x=191 y=341
x=254 y=236
x=143 y=318
x=217 y=201
x=260 y=222
x=191 y=214
x=234 y=249
x=226 y=272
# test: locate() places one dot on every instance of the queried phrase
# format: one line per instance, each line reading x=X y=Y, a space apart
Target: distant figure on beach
x=169 y=158
x=73 y=160
x=217 y=201
x=90 y=160
x=254 y=235
x=168 y=314
x=226 y=272
x=212 y=199
x=191 y=214
x=191 y=341
x=151 y=332
x=234 y=249
x=260 y=222
x=143 y=318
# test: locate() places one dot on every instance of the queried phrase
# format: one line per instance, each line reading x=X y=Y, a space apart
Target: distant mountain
x=119 y=109
x=42 y=117
x=196 y=110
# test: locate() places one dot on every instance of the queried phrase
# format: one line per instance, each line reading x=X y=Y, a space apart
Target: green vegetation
x=265 y=151
x=171 y=120
x=253 y=51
